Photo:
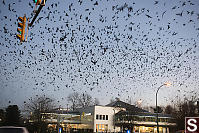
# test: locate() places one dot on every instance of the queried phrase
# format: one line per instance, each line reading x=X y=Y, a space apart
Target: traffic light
x=21 y=28
x=38 y=2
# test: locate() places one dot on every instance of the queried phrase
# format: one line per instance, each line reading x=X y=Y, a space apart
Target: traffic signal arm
x=37 y=13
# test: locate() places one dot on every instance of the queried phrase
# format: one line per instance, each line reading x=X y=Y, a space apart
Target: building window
x=103 y=117
x=101 y=127
x=106 y=117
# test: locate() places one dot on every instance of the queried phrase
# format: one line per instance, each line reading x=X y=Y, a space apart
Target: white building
x=103 y=118
x=114 y=117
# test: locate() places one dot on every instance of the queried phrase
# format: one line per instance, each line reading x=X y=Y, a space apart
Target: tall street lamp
x=165 y=84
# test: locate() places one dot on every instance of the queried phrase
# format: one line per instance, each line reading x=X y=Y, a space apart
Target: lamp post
x=165 y=84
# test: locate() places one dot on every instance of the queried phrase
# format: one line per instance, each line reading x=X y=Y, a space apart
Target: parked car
x=11 y=129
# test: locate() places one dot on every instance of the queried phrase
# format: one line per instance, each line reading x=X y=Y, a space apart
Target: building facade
x=137 y=120
x=114 y=117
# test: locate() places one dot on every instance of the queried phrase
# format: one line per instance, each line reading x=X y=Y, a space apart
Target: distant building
x=141 y=121
x=117 y=116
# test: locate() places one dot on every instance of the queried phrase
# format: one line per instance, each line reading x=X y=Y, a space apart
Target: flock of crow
x=107 y=48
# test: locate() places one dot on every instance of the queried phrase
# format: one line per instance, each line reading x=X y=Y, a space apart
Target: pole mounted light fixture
x=165 y=84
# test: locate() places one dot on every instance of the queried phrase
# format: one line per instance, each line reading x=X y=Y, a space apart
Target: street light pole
x=166 y=84
x=157 y=107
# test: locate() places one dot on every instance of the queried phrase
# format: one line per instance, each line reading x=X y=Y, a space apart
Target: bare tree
x=80 y=100
x=185 y=108
x=85 y=100
x=39 y=105
x=73 y=98
x=169 y=109
x=96 y=102
x=34 y=107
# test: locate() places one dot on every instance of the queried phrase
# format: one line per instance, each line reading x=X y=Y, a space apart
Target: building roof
x=143 y=114
x=127 y=106
x=63 y=111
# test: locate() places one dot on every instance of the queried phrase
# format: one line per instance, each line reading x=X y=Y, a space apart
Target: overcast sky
x=107 y=48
